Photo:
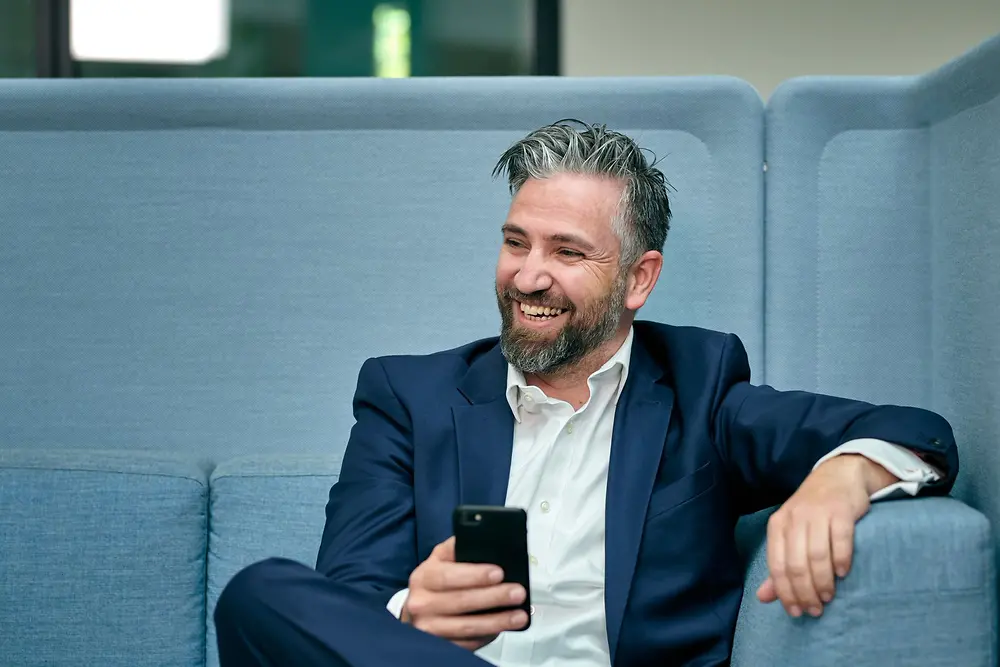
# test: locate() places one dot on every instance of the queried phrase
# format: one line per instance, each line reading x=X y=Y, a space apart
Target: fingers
x=473 y=644
x=449 y=576
x=767 y=593
x=799 y=571
x=777 y=563
x=805 y=555
x=459 y=602
x=842 y=545
x=475 y=627
x=820 y=562
x=445 y=550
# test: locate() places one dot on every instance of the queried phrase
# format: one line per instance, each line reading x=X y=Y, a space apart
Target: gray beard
x=584 y=333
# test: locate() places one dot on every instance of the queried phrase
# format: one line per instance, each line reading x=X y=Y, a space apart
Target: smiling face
x=560 y=288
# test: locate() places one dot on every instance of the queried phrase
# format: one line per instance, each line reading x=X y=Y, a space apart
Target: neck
x=570 y=383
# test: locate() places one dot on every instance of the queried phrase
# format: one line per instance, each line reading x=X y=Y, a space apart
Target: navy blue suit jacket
x=695 y=446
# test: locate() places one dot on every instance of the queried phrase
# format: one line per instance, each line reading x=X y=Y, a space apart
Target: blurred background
x=764 y=41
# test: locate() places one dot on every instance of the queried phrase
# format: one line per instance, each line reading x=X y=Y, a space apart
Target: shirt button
x=532 y=560
x=528 y=399
x=545 y=506
x=531 y=609
x=569 y=427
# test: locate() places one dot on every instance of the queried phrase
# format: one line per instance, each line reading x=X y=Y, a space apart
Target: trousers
x=279 y=613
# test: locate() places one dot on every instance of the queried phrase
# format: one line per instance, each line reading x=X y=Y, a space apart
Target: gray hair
x=643 y=217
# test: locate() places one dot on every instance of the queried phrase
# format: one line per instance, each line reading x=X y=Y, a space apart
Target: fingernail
x=518 y=619
x=826 y=597
x=496 y=576
x=841 y=572
x=815 y=611
x=517 y=594
x=795 y=611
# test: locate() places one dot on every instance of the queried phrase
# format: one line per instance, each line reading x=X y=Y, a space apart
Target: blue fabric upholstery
x=883 y=248
x=914 y=596
x=203 y=266
x=102 y=558
x=264 y=506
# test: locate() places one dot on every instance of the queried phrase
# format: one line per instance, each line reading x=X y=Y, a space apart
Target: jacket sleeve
x=770 y=440
x=369 y=540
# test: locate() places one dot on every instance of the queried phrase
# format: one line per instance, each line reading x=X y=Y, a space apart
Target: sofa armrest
x=921 y=591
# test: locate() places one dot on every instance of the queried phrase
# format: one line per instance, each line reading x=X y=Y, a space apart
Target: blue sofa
x=193 y=272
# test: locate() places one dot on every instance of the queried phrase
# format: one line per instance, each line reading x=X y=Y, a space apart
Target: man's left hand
x=811 y=537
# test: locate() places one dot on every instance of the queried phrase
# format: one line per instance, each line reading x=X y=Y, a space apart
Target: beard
x=585 y=331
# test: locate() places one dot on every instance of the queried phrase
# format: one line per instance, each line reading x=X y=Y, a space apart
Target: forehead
x=577 y=203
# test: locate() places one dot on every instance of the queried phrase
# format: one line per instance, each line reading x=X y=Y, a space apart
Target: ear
x=642 y=278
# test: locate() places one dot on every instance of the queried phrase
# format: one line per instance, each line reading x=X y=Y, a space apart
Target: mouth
x=538 y=315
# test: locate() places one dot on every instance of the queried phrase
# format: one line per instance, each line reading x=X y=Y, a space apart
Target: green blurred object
x=17 y=38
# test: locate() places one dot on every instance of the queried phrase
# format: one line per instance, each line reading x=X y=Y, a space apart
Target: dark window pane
x=17 y=38
x=486 y=37
x=361 y=38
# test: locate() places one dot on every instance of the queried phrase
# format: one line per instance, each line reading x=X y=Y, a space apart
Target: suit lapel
x=641 y=422
x=484 y=430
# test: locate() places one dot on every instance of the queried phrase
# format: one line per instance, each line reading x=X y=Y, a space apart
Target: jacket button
x=936 y=442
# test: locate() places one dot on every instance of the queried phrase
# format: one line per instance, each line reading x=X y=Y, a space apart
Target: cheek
x=506 y=268
x=583 y=285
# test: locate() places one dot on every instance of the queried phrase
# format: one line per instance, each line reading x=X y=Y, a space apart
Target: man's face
x=560 y=252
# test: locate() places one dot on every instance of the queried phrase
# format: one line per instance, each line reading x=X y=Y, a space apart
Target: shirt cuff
x=397 y=601
x=913 y=473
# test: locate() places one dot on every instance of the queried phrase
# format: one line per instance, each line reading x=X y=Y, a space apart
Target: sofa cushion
x=102 y=559
x=262 y=507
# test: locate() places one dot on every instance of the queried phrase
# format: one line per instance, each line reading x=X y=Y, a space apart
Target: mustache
x=513 y=294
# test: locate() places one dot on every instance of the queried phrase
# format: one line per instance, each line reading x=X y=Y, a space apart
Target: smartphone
x=499 y=536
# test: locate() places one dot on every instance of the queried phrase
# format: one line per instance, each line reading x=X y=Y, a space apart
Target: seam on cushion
x=817 y=268
x=200 y=482
x=902 y=595
x=272 y=475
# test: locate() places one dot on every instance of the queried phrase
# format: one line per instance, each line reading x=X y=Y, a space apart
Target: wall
x=767 y=41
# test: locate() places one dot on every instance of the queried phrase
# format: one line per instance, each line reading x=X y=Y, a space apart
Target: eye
x=513 y=243
x=566 y=252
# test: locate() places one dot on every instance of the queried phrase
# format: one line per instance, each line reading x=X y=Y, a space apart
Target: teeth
x=540 y=311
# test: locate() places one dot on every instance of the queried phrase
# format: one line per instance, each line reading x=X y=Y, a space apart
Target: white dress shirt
x=558 y=474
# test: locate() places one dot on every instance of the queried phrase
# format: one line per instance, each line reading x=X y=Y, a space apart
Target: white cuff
x=397 y=601
x=912 y=472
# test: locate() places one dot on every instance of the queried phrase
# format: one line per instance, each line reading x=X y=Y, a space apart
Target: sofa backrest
x=203 y=265
x=199 y=268
x=883 y=248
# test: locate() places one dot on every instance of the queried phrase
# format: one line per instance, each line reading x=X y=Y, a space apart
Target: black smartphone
x=498 y=536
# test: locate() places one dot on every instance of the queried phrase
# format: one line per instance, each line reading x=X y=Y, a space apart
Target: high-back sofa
x=193 y=271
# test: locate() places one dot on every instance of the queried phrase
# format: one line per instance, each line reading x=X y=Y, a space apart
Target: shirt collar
x=617 y=364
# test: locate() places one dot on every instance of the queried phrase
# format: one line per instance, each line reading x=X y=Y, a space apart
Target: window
x=291 y=38
x=17 y=38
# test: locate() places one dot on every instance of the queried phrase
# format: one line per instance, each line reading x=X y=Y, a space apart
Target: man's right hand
x=444 y=594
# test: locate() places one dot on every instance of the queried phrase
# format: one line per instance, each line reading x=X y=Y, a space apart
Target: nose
x=533 y=276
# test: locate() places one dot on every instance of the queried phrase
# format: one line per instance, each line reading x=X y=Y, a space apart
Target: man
x=633 y=446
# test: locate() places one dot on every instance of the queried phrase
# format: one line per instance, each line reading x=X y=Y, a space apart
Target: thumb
x=766 y=592
x=445 y=550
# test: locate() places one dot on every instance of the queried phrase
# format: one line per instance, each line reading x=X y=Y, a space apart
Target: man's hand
x=811 y=537
x=444 y=594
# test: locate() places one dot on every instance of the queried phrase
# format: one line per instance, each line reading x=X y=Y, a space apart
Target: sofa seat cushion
x=102 y=558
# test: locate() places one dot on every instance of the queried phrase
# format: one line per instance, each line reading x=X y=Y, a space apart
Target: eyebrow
x=572 y=239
